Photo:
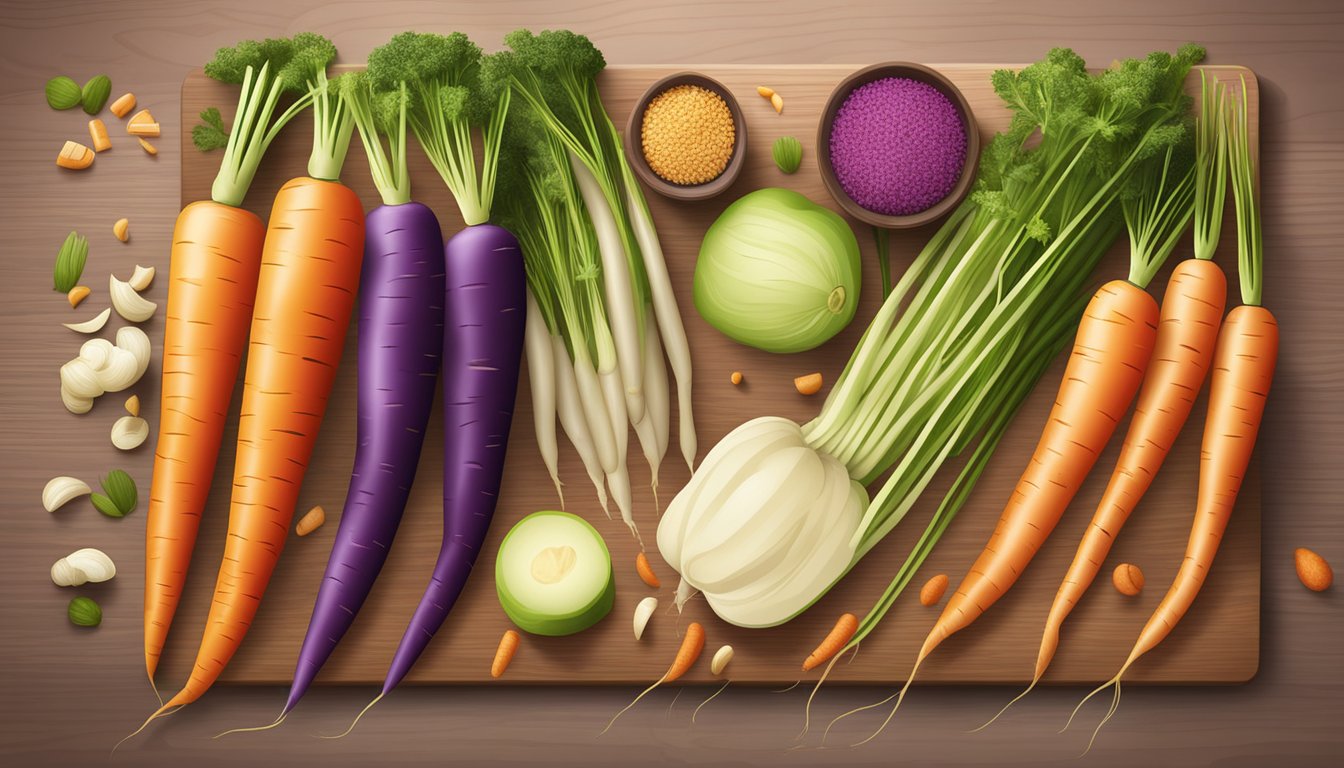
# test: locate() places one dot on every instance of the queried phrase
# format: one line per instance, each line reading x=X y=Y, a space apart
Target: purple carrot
x=400 y=342
x=482 y=350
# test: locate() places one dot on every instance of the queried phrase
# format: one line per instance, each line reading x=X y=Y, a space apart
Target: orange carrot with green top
x=306 y=288
x=1243 y=369
x=213 y=269
x=1192 y=311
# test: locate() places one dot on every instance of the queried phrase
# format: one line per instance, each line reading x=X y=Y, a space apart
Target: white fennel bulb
x=764 y=527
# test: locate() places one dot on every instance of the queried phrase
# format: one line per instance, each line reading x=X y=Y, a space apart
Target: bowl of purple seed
x=898 y=145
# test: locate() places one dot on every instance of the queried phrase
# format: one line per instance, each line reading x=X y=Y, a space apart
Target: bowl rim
x=914 y=71
x=634 y=149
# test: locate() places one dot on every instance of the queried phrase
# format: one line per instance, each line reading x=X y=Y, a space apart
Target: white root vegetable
x=619 y=480
x=665 y=309
x=60 y=491
x=128 y=303
x=141 y=278
x=643 y=612
x=129 y=432
x=104 y=367
x=618 y=288
x=570 y=411
x=93 y=324
x=541 y=378
x=82 y=567
x=594 y=410
x=657 y=393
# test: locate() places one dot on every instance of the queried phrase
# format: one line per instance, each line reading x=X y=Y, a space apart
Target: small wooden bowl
x=909 y=71
x=634 y=150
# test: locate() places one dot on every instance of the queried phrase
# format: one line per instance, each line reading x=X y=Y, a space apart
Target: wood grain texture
x=1218 y=643
x=68 y=695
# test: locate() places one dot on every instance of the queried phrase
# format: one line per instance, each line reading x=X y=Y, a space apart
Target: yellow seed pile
x=688 y=134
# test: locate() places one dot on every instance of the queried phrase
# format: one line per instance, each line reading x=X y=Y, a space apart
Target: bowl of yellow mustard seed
x=686 y=137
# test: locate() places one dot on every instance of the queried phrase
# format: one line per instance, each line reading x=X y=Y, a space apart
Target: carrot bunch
x=305 y=284
x=1243 y=369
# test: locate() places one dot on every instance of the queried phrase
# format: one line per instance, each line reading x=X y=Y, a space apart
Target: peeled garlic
x=81 y=567
x=129 y=432
x=93 y=325
x=141 y=278
x=74 y=403
x=104 y=367
x=59 y=491
x=721 y=659
x=128 y=303
x=644 y=612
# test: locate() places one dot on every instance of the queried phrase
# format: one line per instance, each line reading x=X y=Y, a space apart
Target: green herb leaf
x=788 y=153
x=63 y=93
x=210 y=134
x=120 y=489
x=105 y=505
x=84 y=612
x=70 y=262
x=95 y=92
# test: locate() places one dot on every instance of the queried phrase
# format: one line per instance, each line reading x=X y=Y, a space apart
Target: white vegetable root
x=572 y=420
x=618 y=287
x=541 y=377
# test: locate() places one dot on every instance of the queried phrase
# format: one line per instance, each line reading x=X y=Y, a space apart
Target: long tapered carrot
x=1192 y=310
x=1243 y=369
x=1114 y=342
x=212 y=281
x=305 y=295
x=1110 y=351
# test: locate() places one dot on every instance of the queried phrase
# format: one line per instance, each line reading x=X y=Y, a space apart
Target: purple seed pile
x=897 y=146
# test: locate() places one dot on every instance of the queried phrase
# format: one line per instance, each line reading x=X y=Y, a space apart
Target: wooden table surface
x=66 y=696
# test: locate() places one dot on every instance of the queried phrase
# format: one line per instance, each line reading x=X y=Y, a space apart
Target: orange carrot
x=508 y=646
x=844 y=628
x=645 y=570
x=306 y=290
x=1114 y=342
x=216 y=255
x=692 y=644
x=1192 y=310
x=1243 y=369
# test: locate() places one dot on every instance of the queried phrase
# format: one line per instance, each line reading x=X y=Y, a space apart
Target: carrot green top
x=1242 y=162
x=1210 y=166
x=1157 y=208
x=267 y=69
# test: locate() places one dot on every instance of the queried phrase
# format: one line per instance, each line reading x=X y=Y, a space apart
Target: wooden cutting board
x=1218 y=642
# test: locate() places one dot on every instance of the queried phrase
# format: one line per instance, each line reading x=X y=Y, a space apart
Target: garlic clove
x=721 y=659
x=643 y=612
x=75 y=403
x=81 y=567
x=92 y=325
x=129 y=432
x=141 y=278
x=80 y=379
x=128 y=303
x=60 y=491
